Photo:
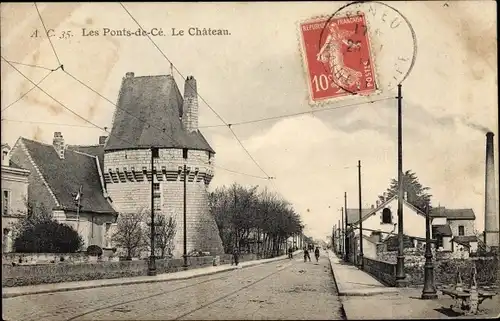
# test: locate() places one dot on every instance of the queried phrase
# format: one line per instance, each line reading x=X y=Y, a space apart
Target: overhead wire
x=201 y=98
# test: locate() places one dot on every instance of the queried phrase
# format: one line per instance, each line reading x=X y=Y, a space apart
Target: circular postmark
x=365 y=48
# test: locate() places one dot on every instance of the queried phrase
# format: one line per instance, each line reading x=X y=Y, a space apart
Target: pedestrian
x=290 y=253
x=316 y=254
x=306 y=255
x=236 y=257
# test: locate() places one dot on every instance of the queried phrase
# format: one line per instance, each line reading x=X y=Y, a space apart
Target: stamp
x=342 y=64
x=365 y=48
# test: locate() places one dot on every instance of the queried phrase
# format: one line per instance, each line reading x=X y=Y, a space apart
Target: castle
x=153 y=124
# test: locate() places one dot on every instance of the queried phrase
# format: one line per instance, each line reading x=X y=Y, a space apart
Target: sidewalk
x=364 y=298
x=10 y=292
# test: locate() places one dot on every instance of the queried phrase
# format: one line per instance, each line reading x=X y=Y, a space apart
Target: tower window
x=156 y=152
x=185 y=153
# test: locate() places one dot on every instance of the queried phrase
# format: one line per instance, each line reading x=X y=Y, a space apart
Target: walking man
x=306 y=255
x=316 y=254
x=290 y=253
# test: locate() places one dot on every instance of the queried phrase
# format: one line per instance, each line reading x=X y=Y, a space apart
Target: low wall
x=446 y=265
x=385 y=272
x=21 y=275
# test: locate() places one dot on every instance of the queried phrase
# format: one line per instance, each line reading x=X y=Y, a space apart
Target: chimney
x=58 y=143
x=129 y=75
x=491 y=219
x=102 y=140
x=373 y=206
x=377 y=203
x=190 y=105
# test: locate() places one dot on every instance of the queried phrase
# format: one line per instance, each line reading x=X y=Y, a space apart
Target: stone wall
x=385 y=272
x=131 y=192
x=22 y=275
x=446 y=265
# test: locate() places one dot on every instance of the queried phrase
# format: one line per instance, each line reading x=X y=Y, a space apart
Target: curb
x=132 y=282
x=365 y=292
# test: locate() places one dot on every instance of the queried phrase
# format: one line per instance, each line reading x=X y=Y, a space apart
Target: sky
x=256 y=72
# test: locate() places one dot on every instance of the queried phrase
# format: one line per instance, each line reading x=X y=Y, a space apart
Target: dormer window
x=4 y=154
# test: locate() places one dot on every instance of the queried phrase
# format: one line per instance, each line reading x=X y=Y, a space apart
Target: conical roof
x=149 y=115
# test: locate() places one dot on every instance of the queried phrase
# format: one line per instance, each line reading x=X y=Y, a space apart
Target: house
x=14 y=196
x=381 y=221
x=57 y=174
x=461 y=221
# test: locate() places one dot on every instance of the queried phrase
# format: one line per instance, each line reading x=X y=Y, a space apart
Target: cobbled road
x=290 y=289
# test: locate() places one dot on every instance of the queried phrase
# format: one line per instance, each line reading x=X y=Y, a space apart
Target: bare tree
x=130 y=232
x=165 y=230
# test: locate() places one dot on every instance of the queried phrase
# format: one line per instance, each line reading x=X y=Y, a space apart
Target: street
x=288 y=289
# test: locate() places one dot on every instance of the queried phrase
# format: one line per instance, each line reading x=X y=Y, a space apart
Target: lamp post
x=429 y=291
x=185 y=219
x=152 y=261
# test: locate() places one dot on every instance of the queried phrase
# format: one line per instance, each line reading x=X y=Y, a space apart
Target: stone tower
x=151 y=112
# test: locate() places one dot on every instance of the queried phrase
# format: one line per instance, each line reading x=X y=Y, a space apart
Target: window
x=4 y=154
x=156 y=190
x=156 y=152
x=5 y=202
x=185 y=153
x=386 y=216
x=461 y=230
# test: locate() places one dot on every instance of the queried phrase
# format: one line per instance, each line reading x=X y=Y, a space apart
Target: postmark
x=363 y=48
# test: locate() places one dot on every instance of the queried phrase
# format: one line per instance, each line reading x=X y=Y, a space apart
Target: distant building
x=14 y=196
x=454 y=224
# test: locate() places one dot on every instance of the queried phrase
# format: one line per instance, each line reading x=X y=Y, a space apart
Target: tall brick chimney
x=491 y=219
x=58 y=143
x=190 y=105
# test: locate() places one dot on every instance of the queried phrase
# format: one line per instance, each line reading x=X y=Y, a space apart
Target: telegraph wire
x=45 y=123
x=29 y=65
x=201 y=98
x=97 y=126
x=47 y=33
x=22 y=96
x=300 y=113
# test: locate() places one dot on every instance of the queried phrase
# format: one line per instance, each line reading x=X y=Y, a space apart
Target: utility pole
x=400 y=266
x=361 y=265
x=185 y=220
x=152 y=261
x=429 y=291
x=346 y=239
x=339 y=237
x=342 y=233
x=78 y=199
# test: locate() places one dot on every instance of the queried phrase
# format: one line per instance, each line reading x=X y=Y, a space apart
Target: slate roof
x=353 y=214
x=443 y=230
x=148 y=114
x=64 y=177
x=465 y=240
x=453 y=214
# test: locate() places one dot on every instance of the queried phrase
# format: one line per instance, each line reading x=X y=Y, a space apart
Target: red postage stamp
x=337 y=57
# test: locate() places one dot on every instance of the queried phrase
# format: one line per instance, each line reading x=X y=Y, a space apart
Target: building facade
x=57 y=174
x=154 y=144
x=14 y=197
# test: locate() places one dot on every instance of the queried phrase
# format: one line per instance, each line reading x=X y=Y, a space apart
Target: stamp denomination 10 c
x=337 y=57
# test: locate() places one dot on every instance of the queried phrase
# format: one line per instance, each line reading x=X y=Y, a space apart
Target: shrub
x=48 y=237
x=94 y=250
